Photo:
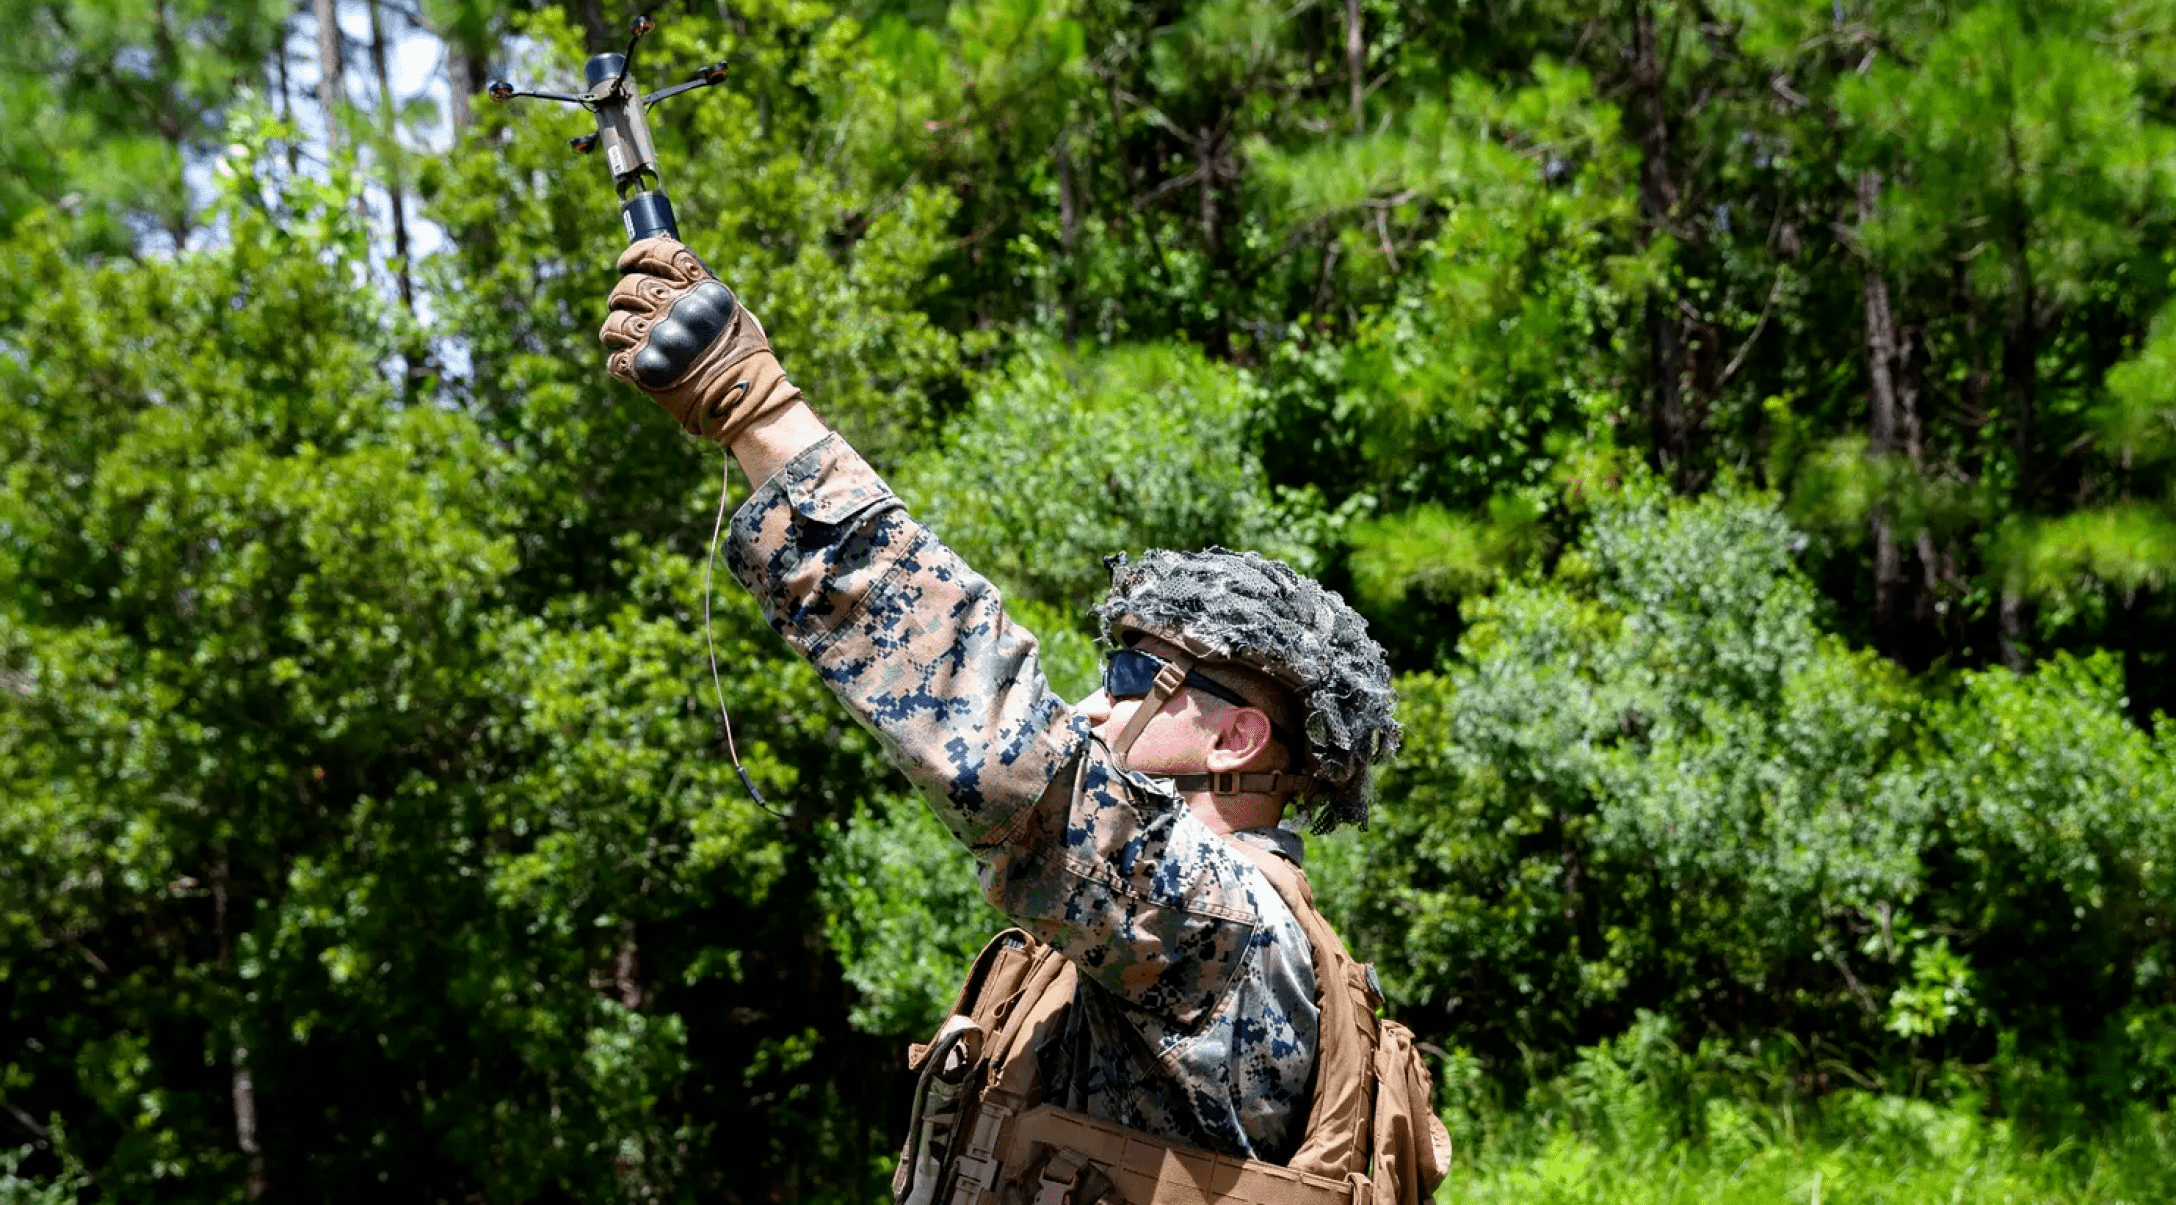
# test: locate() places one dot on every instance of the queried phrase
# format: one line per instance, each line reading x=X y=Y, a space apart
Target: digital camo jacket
x=1196 y=1018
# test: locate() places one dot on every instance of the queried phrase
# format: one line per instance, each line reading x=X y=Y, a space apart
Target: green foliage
x=106 y=100
x=1471 y=381
x=1144 y=447
x=1652 y=782
x=1438 y=552
x=1637 y=1119
x=29 y=1190
x=902 y=912
x=2024 y=139
x=437 y=874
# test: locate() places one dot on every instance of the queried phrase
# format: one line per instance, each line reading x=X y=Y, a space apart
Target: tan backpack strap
x=1338 y=1121
x=1045 y=992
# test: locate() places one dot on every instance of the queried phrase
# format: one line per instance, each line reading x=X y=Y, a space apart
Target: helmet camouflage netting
x=1245 y=608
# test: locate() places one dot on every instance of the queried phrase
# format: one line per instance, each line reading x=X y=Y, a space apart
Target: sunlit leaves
x=1143 y=447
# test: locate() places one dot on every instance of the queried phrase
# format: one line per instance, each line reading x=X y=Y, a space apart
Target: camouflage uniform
x=1196 y=1019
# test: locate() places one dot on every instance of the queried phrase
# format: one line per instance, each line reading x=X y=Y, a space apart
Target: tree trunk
x=468 y=66
x=1068 y=226
x=1356 y=64
x=1658 y=199
x=2020 y=373
x=627 y=968
x=1925 y=602
x=597 y=34
x=241 y=1085
x=463 y=82
x=287 y=102
x=2021 y=376
x=1926 y=605
x=389 y=132
x=178 y=222
x=244 y=1092
x=2011 y=620
x=1881 y=425
x=1205 y=151
x=331 y=78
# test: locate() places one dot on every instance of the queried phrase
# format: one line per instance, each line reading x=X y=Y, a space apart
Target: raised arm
x=918 y=646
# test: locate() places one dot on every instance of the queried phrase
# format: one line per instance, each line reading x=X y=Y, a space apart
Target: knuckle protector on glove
x=696 y=319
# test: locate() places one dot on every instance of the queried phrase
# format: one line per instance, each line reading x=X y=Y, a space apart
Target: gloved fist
x=683 y=338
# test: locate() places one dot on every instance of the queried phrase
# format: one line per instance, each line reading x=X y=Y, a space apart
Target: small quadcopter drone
x=623 y=131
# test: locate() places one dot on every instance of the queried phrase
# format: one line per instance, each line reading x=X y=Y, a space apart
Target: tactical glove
x=680 y=336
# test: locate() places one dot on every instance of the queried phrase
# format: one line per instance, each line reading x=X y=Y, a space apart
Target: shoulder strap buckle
x=1070 y=1179
x=1058 y=1178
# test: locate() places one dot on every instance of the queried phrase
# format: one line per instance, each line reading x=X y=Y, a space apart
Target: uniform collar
x=1282 y=842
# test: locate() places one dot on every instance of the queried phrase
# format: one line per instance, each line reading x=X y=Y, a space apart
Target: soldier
x=1173 y=981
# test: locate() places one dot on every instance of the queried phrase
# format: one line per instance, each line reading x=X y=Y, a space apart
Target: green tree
x=2028 y=173
x=1651 y=782
x=1464 y=404
x=1142 y=447
x=109 y=102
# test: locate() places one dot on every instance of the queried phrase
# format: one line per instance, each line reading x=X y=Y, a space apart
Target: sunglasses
x=1131 y=674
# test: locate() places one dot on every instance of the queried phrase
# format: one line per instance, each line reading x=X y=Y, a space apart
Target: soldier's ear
x=1242 y=734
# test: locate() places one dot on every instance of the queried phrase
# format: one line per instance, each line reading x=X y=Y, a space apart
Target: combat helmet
x=1244 y=609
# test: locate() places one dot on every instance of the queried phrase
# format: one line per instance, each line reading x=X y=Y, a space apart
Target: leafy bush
x=1063 y=459
x=1651 y=781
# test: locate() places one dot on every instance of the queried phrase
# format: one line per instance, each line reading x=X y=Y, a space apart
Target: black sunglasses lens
x=1130 y=675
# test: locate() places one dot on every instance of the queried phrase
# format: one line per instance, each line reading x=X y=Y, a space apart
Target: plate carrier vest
x=980 y=1136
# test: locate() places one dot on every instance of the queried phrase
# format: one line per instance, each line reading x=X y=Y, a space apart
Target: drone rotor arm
x=635 y=29
x=675 y=90
x=504 y=91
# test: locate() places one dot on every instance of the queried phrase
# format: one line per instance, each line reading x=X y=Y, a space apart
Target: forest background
x=1750 y=424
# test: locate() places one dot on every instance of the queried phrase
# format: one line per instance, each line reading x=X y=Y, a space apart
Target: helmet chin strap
x=1168 y=681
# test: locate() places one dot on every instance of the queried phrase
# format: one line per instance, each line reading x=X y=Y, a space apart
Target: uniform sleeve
x=1122 y=878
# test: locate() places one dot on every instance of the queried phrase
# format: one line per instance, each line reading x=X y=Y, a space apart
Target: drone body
x=624 y=132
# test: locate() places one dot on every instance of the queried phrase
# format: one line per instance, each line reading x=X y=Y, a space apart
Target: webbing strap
x=1340 y=1116
x=1127 y=1167
x=1168 y=681
x=1249 y=782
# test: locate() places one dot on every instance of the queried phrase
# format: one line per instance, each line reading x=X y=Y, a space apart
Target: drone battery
x=647 y=215
x=602 y=67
